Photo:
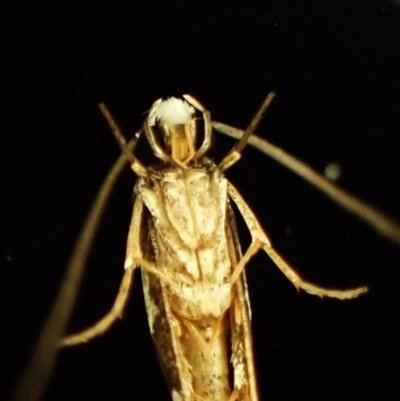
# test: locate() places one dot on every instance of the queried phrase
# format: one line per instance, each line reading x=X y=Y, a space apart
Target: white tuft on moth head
x=172 y=111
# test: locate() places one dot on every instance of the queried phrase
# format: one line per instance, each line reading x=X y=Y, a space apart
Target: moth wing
x=240 y=317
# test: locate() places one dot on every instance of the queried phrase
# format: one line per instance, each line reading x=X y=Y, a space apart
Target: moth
x=184 y=238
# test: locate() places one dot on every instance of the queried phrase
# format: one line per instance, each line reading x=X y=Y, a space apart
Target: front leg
x=133 y=247
x=261 y=241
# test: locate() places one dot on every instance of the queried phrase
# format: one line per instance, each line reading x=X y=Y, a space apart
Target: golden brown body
x=198 y=320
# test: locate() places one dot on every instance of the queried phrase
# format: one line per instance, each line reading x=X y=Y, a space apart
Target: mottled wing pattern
x=161 y=320
x=240 y=318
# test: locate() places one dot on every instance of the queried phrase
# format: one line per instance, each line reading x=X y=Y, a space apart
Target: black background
x=335 y=68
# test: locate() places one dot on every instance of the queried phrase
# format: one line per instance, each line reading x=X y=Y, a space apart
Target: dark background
x=335 y=68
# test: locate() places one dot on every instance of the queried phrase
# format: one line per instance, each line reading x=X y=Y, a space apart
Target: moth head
x=174 y=121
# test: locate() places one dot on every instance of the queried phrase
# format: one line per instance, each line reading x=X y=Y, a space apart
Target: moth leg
x=312 y=289
x=235 y=395
x=154 y=269
x=117 y=309
x=363 y=210
x=108 y=320
x=254 y=247
x=235 y=153
x=260 y=240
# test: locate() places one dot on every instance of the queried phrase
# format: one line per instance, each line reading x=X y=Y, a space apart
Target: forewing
x=240 y=317
x=163 y=326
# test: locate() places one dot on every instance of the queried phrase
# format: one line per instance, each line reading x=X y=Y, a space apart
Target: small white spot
x=332 y=171
x=152 y=312
x=176 y=396
x=128 y=263
x=173 y=111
